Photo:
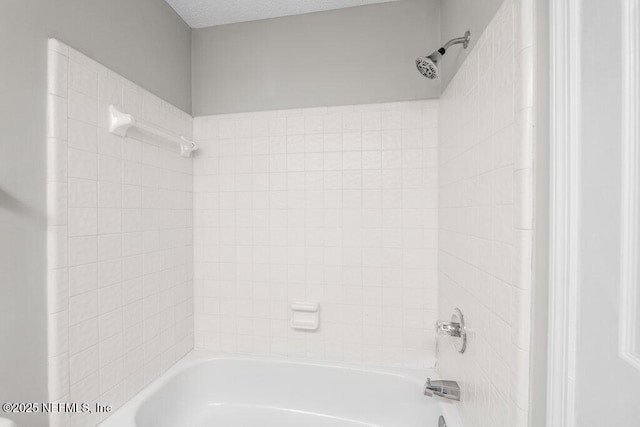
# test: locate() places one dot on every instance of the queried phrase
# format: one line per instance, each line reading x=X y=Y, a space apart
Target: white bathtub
x=213 y=391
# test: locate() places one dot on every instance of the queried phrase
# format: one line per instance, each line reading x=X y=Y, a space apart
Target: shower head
x=428 y=65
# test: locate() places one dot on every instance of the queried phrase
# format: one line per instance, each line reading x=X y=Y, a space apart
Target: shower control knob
x=448 y=328
x=455 y=329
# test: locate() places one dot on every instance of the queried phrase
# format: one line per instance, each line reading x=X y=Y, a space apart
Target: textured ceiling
x=206 y=13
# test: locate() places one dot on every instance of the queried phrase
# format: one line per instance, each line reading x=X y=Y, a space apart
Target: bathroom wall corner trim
x=629 y=315
x=564 y=212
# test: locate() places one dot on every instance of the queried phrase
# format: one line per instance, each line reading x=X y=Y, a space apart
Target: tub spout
x=442 y=388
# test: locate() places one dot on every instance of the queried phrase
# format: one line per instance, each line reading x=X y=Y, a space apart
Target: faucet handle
x=448 y=328
x=455 y=328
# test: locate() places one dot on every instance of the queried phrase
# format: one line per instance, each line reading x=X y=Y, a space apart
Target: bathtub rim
x=125 y=415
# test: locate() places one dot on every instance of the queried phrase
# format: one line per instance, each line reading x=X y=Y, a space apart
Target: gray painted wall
x=457 y=16
x=348 y=56
x=143 y=40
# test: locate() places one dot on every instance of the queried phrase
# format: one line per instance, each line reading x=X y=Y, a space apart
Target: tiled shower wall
x=336 y=205
x=119 y=220
x=485 y=234
x=330 y=205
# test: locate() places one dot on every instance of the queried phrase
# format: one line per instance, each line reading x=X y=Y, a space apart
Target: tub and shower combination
x=210 y=390
x=379 y=218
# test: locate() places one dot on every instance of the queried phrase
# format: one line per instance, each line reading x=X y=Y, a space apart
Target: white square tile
x=82 y=193
x=332 y=161
x=391 y=120
x=371 y=121
x=83 y=250
x=109 y=272
x=391 y=139
x=83 y=107
x=333 y=123
x=352 y=141
x=83 y=364
x=109 y=90
x=83 y=335
x=352 y=160
x=82 y=136
x=110 y=298
x=83 y=278
x=109 y=169
x=83 y=307
x=83 y=79
x=83 y=222
x=295 y=125
x=82 y=164
x=314 y=124
x=132 y=101
x=109 y=247
x=110 y=144
x=371 y=140
x=333 y=142
x=109 y=195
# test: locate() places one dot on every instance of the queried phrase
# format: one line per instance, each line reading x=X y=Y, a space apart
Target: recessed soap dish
x=305 y=316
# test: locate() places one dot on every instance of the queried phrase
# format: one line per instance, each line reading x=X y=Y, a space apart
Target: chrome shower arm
x=459 y=40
